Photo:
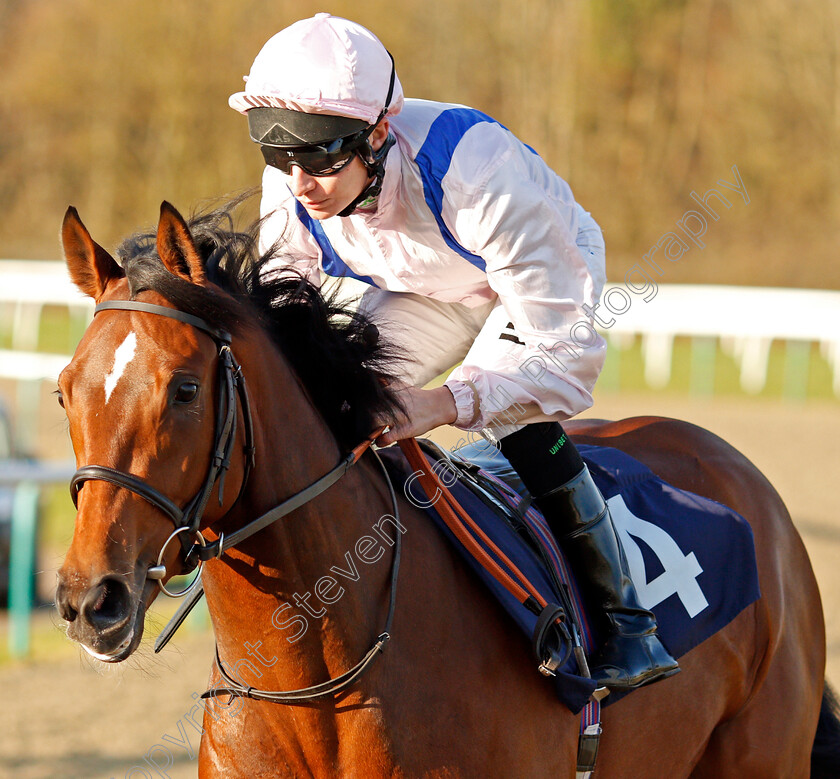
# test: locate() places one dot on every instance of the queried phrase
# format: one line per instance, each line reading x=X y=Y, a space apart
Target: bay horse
x=454 y=694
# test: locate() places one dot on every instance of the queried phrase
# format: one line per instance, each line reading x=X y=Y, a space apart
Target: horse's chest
x=263 y=739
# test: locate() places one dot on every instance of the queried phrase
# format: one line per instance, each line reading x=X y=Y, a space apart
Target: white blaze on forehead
x=122 y=357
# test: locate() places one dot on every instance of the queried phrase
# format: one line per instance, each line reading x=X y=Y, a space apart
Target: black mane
x=334 y=350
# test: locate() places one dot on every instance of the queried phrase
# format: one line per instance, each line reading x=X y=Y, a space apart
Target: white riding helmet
x=317 y=68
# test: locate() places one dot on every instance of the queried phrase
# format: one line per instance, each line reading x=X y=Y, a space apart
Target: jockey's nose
x=301 y=182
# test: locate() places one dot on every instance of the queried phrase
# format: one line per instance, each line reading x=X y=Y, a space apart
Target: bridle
x=187 y=521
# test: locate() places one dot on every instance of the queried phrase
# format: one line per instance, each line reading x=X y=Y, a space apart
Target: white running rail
x=745 y=320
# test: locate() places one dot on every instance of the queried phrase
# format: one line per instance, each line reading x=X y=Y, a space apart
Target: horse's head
x=159 y=417
x=141 y=395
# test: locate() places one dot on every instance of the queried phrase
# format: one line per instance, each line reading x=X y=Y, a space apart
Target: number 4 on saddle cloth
x=692 y=560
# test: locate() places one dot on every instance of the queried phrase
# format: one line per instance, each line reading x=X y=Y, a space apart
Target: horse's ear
x=176 y=246
x=89 y=265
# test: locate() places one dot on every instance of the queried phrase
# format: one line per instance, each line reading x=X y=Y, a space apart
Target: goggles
x=316 y=160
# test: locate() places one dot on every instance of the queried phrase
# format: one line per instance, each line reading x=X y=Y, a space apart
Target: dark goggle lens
x=315 y=160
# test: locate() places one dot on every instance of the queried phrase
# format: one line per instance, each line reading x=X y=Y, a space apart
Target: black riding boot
x=551 y=468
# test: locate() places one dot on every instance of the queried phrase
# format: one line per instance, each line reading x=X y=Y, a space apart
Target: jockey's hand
x=424 y=411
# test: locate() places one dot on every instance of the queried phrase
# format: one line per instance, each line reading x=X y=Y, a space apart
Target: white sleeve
x=283 y=233
x=504 y=204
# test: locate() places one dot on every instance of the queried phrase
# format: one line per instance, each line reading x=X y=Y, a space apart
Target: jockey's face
x=326 y=196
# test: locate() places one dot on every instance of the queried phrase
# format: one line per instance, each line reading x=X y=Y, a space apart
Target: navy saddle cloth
x=692 y=560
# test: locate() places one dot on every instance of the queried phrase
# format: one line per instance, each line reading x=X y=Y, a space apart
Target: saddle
x=692 y=560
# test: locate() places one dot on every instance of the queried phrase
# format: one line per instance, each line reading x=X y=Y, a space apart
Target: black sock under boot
x=551 y=468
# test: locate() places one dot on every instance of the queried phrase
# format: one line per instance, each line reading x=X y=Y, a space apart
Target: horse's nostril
x=62 y=603
x=106 y=604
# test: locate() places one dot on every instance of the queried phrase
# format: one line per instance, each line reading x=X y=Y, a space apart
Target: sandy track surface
x=64 y=719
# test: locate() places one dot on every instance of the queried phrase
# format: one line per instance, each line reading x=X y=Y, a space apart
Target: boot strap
x=585 y=528
x=578 y=499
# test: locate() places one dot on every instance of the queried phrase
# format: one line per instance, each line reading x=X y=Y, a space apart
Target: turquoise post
x=22 y=566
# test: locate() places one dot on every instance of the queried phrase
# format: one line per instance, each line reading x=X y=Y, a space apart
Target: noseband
x=187 y=521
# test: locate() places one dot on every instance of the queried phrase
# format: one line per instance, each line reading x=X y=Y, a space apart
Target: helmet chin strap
x=374 y=161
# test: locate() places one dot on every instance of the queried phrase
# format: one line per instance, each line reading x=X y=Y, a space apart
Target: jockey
x=474 y=251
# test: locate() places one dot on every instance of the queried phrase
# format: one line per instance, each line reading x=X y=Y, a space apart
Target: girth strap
x=550 y=615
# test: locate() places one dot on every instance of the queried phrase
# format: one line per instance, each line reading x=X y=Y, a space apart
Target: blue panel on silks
x=692 y=559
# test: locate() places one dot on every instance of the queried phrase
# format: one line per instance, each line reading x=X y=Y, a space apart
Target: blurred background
x=638 y=104
x=114 y=106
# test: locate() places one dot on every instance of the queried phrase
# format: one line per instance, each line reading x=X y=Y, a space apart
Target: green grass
x=794 y=372
x=57 y=517
x=702 y=367
x=60 y=330
x=46 y=639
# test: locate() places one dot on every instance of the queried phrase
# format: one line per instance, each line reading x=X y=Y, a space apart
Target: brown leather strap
x=456 y=518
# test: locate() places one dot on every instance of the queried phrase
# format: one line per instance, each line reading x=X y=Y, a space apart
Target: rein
x=208 y=551
x=340 y=683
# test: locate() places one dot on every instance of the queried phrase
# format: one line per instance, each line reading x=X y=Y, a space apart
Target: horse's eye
x=60 y=398
x=186 y=392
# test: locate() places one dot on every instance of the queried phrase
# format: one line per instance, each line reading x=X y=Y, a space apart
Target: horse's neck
x=293 y=601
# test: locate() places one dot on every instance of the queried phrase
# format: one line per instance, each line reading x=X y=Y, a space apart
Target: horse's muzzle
x=101 y=617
